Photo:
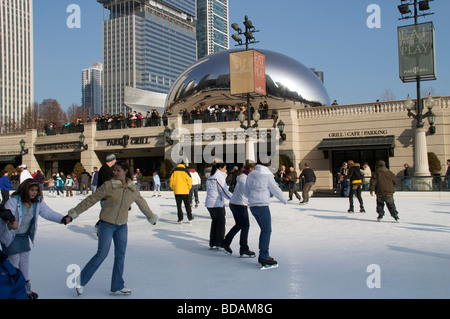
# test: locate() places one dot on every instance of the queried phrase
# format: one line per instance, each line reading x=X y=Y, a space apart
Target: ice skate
x=122 y=292
x=227 y=249
x=248 y=254
x=362 y=210
x=350 y=210
x=79 y=289
x=268 y=263
x=30 y=294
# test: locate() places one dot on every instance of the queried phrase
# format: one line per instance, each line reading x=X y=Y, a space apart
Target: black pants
x=217 y=232
x=185 y=200
x=356 y=189
x=240 y=214
x=5 y=196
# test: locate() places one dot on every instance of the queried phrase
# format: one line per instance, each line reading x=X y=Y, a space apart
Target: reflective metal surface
x=207 y=82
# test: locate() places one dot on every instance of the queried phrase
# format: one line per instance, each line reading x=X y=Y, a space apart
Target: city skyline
x=360 y=63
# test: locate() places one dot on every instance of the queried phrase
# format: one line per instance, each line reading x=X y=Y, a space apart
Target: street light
x=23 y=151
x=249 y=39
x=415 y=110
x=281 y=129
x=83 y=147
x=167 y=133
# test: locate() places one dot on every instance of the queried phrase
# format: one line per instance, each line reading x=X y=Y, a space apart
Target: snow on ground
x=322 y=251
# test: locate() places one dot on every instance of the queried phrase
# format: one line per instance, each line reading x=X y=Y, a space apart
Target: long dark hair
x=217 y=166
x=126 y=167
x=24 y=188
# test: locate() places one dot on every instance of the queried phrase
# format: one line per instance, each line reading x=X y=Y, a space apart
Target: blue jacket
x=12 y=282
x=5 y=185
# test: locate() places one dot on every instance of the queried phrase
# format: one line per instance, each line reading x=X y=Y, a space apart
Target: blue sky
x=358 y=62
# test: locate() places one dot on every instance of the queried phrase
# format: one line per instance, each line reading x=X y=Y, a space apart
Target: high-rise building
x=16 y=65
x=91 y=87
x=147 y=44
x=212 y=27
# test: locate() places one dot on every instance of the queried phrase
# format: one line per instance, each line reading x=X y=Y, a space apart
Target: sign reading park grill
x=416 y=52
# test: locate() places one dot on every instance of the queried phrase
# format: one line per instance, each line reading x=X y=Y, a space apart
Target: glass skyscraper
x=212 y=27
x=17 y=64
x=147 y=44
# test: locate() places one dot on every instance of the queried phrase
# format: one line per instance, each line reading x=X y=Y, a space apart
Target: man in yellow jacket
x=181 y=183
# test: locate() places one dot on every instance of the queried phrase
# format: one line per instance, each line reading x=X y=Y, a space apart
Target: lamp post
x=420 y=9
x=83 y=147
x=167 y=133
x=249 y=39
x=23 y=151
x=420 y=143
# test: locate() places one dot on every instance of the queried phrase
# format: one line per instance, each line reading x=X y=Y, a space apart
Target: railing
x=225 y=116
x=118 y=124
x=67 y=129
x=366 y=108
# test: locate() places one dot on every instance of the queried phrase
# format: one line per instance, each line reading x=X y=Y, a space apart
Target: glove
x=66 y=220
x=6 y=215
x=152 y=220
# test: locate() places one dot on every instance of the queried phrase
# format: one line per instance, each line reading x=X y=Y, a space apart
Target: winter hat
x=23 y=166
x=110 y=157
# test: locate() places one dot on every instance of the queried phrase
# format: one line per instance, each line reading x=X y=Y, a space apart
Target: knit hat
x=110 y=157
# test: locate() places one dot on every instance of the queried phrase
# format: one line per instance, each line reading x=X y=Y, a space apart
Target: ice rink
x=322 y=251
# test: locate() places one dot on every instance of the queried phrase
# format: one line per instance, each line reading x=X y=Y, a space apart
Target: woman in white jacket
x=216 y=193
x=238 y=206
x=260 y=184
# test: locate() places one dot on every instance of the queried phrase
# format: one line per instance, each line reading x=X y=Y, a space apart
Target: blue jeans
x=262 y=216
x=106 y=233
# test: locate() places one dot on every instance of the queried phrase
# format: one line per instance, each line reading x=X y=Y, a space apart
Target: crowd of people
x=224 y=113
x=132 y=120
x=70 y=127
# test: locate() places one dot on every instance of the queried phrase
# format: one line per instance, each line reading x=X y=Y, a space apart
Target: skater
x=24 y=173
x=69 y=185
x=59 y=185
x=216 y=193
x=85 y=178
x=344 y=182
x=310 y=180
x=356 y=180
x=51 y=185
x=118 y=194
x=259 y=186
x=5 y=186
x=181 y=183
x=26 y=206
x=196 y=183
x=383 y=184
x=238 y=206
x=292 y=180
x=157 y=182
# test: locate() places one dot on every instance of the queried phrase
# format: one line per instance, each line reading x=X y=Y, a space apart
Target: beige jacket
x=117 y=201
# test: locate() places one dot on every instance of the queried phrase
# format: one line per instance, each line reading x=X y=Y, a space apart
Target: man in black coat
x=310 y=180
x=105 y=173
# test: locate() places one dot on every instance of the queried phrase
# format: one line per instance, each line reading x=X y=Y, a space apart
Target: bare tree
x=75 y=113
x=52 y=112
x=387 y=95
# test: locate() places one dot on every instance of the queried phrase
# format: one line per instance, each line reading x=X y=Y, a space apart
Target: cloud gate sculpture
x=207 y=82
